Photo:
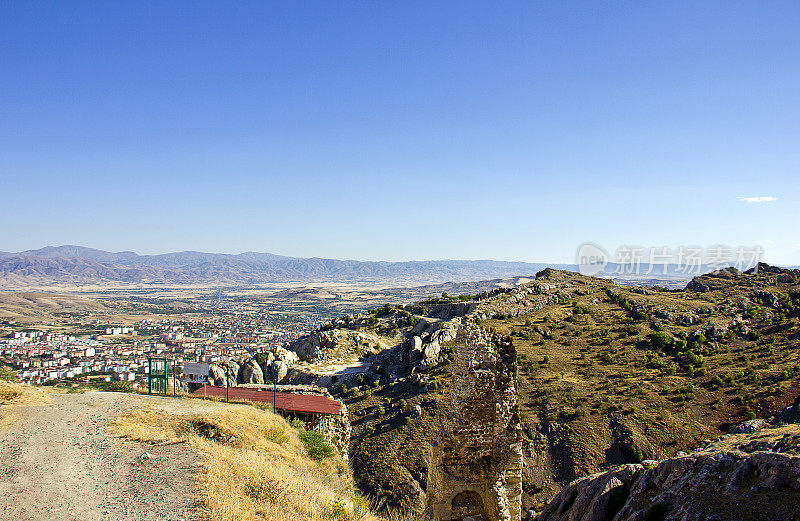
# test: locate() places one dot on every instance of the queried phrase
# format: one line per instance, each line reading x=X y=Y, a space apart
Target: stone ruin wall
x=336 y=428
x=476 y=459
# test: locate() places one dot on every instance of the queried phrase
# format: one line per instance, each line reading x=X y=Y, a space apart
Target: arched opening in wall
x=467 y=504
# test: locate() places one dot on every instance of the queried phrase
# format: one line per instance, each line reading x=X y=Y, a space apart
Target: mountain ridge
x=78 y=264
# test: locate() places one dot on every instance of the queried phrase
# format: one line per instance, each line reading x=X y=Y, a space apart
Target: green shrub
x=660 y=340
x=530 y=487
x=7 y=374
x=316 y=445
x=338 y=509
x=119 y=387
x=276 y=435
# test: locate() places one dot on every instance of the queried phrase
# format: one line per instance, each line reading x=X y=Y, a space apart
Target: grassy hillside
x=257 y=466
x=613 y=374
x=608 y=374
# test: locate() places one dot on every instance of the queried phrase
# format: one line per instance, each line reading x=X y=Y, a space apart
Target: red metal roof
x=282 y=401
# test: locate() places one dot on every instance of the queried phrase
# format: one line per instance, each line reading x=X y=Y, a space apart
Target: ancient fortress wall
x=336 y=428
x=476 y=458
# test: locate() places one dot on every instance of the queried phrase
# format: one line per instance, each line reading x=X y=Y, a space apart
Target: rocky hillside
x=609 y=375
x=751 y=474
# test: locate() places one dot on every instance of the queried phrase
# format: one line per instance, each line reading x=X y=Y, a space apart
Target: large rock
x=279 y=370
x=415 y=348
x=285 y=355
x=251 y=373
x=749 y=426
x=430 y=351
x=701 y=486
x=232 y=369
x=444 y=331
x=216 y=374
x=790 y=414
x=334 y=343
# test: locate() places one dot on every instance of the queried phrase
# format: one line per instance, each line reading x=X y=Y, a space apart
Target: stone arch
x=467 y=503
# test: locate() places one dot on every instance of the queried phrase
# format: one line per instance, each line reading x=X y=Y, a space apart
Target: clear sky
x=400 y=130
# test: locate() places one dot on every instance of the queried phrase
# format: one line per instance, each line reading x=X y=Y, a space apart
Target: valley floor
x=58 y=461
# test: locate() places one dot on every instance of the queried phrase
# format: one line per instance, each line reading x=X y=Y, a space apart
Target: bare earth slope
x=58 y=461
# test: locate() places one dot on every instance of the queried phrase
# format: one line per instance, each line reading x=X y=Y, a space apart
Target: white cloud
x=758 y=199
x=763 y=241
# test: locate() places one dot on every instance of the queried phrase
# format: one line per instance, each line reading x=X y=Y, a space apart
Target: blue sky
x=400 y=130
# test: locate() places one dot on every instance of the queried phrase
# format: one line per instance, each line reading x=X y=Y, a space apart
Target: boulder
x=279 y=370
x=702 y=486
x=768 y=299
x=749 y=426
x=216 y=375
x=334 y=343
x=716 y=331
x=445 y=331
x=415 y=349
x=251 y=373
x=430 y=351
x=421 y=326
x=232 y=369
x=285 y=355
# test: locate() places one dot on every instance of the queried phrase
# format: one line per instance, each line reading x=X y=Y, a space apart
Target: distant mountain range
x=61 y=265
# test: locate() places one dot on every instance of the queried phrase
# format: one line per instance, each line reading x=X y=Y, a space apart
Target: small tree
x=660 y=340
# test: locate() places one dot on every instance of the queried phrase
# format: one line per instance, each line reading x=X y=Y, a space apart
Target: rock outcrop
x=702 y=486
x=251 y=373
x=334 y=343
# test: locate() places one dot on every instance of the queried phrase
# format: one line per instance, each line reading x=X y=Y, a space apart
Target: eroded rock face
x=321 y=345
x=251 y=373
x=233 y=368
x=476 y=460
x=216 y=375
x=278 y=370
x=701 y=486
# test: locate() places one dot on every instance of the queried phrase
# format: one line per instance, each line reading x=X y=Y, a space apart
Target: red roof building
x=289 y=402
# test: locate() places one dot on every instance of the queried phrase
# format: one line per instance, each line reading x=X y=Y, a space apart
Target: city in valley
x=70 y=340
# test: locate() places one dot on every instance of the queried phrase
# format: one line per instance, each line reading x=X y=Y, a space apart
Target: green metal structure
x=157 y=375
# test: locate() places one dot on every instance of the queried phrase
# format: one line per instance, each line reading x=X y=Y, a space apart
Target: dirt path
x=59 y=462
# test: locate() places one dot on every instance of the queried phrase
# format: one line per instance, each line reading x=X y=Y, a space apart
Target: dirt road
x=59 y=462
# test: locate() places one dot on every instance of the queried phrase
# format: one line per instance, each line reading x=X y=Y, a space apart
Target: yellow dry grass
x=17 y=395
x=255 y=465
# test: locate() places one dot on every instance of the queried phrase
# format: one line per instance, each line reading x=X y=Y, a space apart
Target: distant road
x=58 y=462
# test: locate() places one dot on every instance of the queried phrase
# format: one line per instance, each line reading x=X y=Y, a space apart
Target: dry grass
x=256 y=466
x=16 y=395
